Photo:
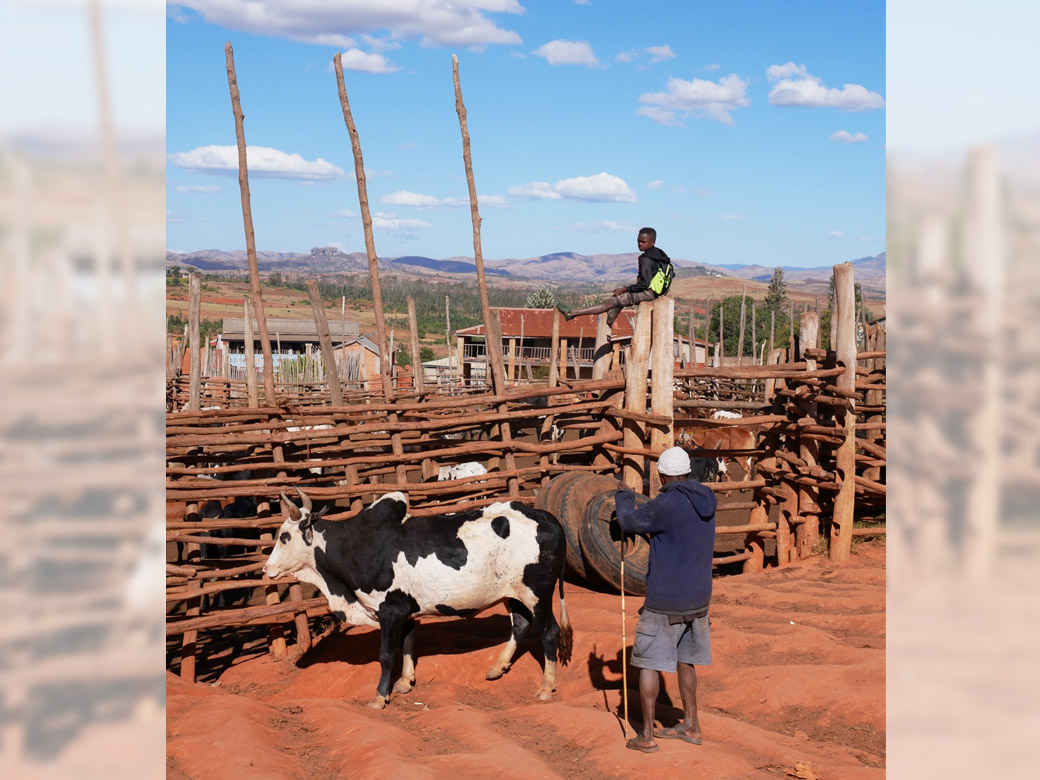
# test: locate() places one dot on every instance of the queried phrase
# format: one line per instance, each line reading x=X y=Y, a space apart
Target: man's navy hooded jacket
x=681 y=525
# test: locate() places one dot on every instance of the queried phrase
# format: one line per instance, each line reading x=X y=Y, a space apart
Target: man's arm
x=644 y=520
x=647 y=269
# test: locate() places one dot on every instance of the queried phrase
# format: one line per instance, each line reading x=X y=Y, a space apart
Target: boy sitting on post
x=654 y=279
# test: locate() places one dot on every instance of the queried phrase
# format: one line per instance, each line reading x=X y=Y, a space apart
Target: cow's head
x=294 y=544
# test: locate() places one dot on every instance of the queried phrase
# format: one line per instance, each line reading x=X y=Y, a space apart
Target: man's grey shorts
x=659 y=645
x=633 y=298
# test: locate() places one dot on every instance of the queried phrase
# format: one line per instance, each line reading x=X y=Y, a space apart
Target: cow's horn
x=305 y=499
x=292 y=511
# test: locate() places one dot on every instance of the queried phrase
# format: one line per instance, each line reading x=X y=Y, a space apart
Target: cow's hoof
x=543 y=695
x=379 y=702
x=494 y=673
x=404 y=686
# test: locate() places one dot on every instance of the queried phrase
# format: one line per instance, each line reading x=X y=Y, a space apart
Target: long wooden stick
x=624 y=647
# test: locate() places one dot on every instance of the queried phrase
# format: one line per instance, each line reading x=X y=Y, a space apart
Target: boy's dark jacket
x=681 y=525
x=649 y=262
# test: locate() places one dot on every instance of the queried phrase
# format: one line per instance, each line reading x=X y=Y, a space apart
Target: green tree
x=542 y=298
x=426 y=355
x=403 y=358
x=776 y=296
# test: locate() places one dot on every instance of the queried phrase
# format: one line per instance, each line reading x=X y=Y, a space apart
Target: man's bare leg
x=649 y=688
x=688 y=691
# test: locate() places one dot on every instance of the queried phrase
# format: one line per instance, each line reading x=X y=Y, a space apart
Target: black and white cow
x=384 y=568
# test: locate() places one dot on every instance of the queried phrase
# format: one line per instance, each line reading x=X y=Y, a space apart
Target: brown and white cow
x=728 y=437
x=384 y=568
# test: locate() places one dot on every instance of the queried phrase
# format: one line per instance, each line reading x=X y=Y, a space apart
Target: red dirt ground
x=797 y=689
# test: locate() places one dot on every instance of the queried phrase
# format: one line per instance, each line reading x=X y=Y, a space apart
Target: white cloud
x=653 y=185
x=346 y=214
x=796 y=87
x=603 y=187
x=699 y=97
x=845 y=137
x=583 y=2
x=355 y=59
x=420 y=201
x=604 y=226
x=333 y=22
x=408 y=145
x=262 y=161
x=626 y=56
x=658 y=53
x=731 y=217
x=713 y=66
x=701 y=193
x=388 y=221
x=198 y=188
x=835 y=234
x=561 y=52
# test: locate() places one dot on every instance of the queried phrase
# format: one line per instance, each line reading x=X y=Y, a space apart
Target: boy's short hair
x=648 y=231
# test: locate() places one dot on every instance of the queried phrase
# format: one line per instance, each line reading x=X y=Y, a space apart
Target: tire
x=600 y=538
x=573 y=502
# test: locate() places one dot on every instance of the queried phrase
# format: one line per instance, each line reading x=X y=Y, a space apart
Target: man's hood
x=702 y=497
x=658 y=255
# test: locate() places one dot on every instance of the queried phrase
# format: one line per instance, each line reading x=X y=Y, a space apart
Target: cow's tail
x=566 y=634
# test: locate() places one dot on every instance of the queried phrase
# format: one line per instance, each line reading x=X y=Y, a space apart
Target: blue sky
x=744 y=132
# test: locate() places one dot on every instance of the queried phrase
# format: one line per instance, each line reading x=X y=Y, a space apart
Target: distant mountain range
x=557 y=267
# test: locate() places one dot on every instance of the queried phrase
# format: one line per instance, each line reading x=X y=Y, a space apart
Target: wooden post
x=385 y=353
x=722 y=334
x=845 y=500
x=563 y=359
x=754 y=333
x=707 y=328
x=691 y=359
x=247 y=218
x=194 y=354
x=636 y=370
x=494 y=346
x=554 y=352
x=662 y=360
x=791 y=355
x=250 y=357
x=601 y=359
x=772 y=328
x=808 y=530
x=418 y=380
x=328 y=355
x=511 y=368
x=743 y=323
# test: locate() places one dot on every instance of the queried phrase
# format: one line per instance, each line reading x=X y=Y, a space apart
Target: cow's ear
x=292 y=512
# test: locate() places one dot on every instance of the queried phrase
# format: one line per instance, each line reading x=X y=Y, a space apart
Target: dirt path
x=798 y=677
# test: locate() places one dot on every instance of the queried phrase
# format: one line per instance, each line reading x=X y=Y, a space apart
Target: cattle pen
x=350 y=453
x=817 y=419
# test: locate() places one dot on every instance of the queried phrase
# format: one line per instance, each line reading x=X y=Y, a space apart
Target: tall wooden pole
x=385 y=353
x=662 y=361
x=754 y=332
x=247 y=328
x=691 y=359
x=636 y=369
x=494 y=345
x=707 y=328
x=418 y=380
x=722 y=333
x=328 y=355
x=743 y=323
x=772 y=328
x=806 y=532
x=247 y=219
x=194 y=353
x=845 y=500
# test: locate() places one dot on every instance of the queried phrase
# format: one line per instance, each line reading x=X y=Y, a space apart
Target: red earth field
x=797 y=689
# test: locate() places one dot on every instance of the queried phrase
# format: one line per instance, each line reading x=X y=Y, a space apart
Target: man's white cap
x=674 y=462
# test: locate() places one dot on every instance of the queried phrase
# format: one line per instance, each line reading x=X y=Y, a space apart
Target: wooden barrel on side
x=600 y=538
x=551 y=499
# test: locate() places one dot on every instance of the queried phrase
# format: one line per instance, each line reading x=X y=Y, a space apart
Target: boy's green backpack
x=663 y=278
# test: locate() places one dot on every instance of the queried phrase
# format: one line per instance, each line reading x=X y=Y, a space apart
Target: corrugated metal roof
x=294 y=330
x=537 y=323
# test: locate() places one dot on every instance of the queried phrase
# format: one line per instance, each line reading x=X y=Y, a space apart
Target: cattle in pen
x=384 y=568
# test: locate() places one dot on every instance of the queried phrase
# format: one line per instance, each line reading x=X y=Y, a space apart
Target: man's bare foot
x=642 y=744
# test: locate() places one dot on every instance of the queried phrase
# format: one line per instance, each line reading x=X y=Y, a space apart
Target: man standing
x=655 y=277
x=672 y=633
